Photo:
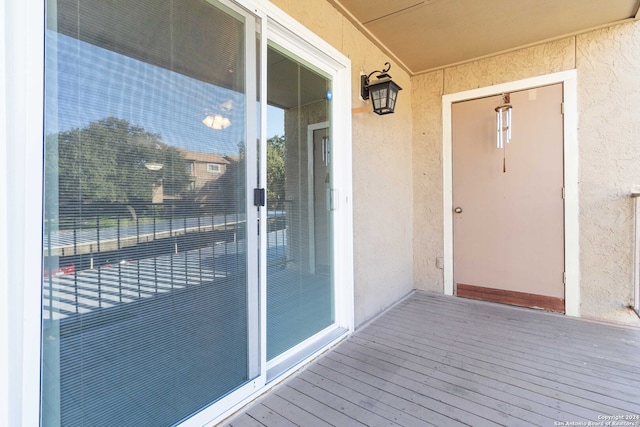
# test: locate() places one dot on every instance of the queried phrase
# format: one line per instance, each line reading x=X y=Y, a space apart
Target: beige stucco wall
x=382 y=163
x=607 y=63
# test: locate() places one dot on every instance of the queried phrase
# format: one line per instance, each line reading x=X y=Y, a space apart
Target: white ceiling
x=424 y=35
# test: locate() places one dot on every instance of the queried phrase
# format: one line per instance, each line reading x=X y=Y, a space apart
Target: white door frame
x=571 y=212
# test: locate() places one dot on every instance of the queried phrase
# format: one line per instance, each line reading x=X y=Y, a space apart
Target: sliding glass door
x=150 y=288
x=188 y=256
x=299 y=175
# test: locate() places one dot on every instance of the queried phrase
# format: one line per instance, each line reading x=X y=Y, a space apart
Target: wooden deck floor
x=447 y=361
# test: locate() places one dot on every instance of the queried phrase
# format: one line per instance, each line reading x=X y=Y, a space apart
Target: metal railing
x=104 y=262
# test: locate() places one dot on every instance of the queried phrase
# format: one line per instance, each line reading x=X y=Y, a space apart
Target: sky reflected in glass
x=94 y=83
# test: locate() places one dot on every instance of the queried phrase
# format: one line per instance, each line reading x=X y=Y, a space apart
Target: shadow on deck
x=447 y=361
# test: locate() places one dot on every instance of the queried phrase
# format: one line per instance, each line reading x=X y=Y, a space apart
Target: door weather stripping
x=259 y=197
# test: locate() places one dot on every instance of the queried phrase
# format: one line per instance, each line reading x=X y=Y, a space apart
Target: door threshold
x=521 y=299
x=304 y=353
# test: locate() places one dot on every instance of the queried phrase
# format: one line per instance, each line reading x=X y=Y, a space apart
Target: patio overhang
x=422 y=36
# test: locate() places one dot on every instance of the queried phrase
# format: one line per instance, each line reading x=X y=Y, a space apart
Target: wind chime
x=503 y=127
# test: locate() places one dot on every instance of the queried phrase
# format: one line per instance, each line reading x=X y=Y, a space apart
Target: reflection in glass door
x=300 y=272
x=148 y=243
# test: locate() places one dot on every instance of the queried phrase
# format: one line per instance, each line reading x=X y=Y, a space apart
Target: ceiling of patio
x=424 y=35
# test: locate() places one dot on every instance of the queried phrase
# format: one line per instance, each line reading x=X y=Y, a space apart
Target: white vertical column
x=636 y=251
x=22 y=54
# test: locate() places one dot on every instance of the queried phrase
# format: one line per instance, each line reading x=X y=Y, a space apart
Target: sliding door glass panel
x=145 y=283
x=299 y=239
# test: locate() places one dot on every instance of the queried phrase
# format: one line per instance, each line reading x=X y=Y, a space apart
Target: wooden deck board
x=349 y=390
x=466 y=369
x=292 y=412
x=319 y=406
x=356 y=414
x=475 y=392
x=564 y=378
x=516 y=399
x=437 y=360
x=543 y=327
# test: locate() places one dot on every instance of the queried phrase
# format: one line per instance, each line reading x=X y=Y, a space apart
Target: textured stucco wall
x=608 y=63
x=382 y=177
x=609 y=144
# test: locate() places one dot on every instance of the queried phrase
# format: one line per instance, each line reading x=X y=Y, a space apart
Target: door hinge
x=564 y=195
x=562 y=108
x=564 y=277
x=259 y=197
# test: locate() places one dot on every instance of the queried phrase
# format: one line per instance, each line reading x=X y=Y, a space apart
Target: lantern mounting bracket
x=364 y=80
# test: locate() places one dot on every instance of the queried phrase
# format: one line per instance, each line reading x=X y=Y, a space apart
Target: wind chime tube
x=508 y=125
x=498 y=129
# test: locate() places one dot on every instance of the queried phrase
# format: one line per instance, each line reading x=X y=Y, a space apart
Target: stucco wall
x=382 y=178
x=609 y=144
x=608 y=63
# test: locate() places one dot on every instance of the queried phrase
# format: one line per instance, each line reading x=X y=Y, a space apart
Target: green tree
x=275 y=168
x=111 y=161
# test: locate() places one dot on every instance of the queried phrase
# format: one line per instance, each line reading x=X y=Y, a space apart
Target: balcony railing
x=106 y=262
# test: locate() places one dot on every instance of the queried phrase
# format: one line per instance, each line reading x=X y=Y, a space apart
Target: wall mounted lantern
x=383 y=91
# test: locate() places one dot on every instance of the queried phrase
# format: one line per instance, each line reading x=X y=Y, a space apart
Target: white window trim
x=571 y=212
x=22 y=23
x=22 y=88
x=294 y=37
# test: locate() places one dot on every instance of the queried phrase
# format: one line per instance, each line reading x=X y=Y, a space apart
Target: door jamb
x=571 y=213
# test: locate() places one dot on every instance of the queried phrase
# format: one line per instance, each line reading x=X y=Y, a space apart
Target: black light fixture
x=383 y=91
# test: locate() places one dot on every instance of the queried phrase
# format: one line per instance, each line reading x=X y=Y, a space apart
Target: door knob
x=458 y=210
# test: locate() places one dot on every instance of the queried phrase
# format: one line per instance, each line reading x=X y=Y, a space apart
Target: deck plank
x=527 y=327
x=355 y=414
x=533 y=405
x=438 y=360
x=292 y=412
x=350 y=391
x=565 y=379
x=387 y=392
x=462 y=391
x=451 y=353
x=298 y=394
